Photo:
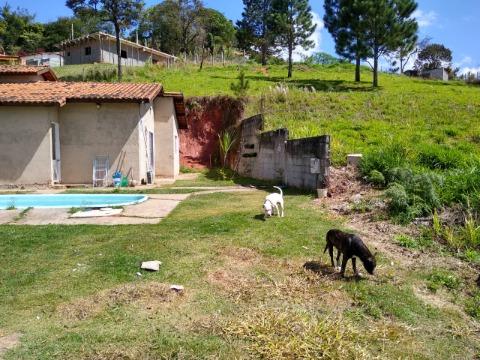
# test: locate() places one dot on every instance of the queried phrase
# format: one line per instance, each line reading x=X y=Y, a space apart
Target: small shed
x=436 y=74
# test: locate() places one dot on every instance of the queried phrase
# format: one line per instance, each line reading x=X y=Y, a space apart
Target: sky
x=452 y=23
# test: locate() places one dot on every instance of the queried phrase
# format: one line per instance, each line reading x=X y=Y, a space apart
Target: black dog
x=351 y=246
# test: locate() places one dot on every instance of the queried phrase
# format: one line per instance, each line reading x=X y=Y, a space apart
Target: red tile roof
x=59 y=93
x=44 y=71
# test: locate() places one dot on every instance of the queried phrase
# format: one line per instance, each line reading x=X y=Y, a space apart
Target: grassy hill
x=415 y=112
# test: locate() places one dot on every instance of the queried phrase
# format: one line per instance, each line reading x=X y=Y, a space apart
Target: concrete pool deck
x=152 y=211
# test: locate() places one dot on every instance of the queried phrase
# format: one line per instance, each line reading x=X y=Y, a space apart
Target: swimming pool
x=69 y=200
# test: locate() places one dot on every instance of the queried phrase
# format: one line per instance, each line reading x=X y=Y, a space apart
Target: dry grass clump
x=148 y=295
x=296 y=334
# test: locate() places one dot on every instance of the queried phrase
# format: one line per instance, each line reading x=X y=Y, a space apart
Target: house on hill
x=53 y=131
x=25 y=74
x=51 y=59
x=101 y=48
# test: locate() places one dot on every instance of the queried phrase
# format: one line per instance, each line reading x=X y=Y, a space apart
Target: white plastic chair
x=101 y=164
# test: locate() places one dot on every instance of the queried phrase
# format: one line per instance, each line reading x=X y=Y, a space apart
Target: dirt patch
x=8 y=342
x=240 y=256
x=249 y=277
x=238 y=286
x=148 y=296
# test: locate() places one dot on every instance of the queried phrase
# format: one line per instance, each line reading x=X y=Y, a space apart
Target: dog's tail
x=281 y=192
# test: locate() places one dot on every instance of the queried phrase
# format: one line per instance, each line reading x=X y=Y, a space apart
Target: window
x=124 y=54
x=88 y=50
x=68 y=53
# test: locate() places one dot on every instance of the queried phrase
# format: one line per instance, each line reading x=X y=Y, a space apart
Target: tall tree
x=61 y=29
x=20 y=34
x=343 y=20
x=189 y=18
x=253 y=30
x=219 y=32
x=389 y=24
x=122 y=14
x=434 y=56
x=292 y=23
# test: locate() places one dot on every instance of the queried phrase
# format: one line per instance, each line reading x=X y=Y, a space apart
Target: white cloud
x=316 y=37
x=471 y=70
x=425 y=19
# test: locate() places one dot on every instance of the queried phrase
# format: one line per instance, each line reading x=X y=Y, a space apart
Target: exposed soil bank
x=207 y=117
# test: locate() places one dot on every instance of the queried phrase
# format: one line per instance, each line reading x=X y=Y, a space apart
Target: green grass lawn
x=73 y=292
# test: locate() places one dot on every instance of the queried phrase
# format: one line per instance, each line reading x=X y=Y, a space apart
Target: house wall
x=20 y=78
x=25 y=144
x=146 y=125
x=105 y=51
x=48 y=59
x=77 y=53
x=87 y=131
x=438 y=74
x=167 y=162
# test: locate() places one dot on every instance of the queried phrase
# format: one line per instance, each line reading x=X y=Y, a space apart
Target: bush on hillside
x=376 y=178
x=384 y=159
x=440 y=157
x=242 y=85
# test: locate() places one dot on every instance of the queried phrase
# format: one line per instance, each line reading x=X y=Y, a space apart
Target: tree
x=405 y=52
x=292 y=24
x=122 y=14
x=18 y=31
x=434 y=56
x=322 y=58
x=189 y=18
x=253 y=30
x=389 y=24
x=343 y=20
x=218 y=32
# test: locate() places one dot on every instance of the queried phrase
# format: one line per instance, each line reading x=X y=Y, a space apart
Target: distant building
x=437 y=74
x=25 y=74
x=101 y=48
x=9 y=59
x=51 y=59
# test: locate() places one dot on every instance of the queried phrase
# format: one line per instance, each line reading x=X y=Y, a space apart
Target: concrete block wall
x=301 y=163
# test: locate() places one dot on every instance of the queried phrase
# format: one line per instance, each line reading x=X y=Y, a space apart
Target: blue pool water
x=69 y=200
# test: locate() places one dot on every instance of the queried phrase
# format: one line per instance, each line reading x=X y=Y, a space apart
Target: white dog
x=273 y=202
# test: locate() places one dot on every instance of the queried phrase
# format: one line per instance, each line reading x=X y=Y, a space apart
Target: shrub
x=376 y=178
x=406 y=242
x=471 y=232
x=440 y=158
x=242 y=85
x=442 y=278
x=383 y=160
x=472 y=305
x=411 y=195
x=398 y=198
